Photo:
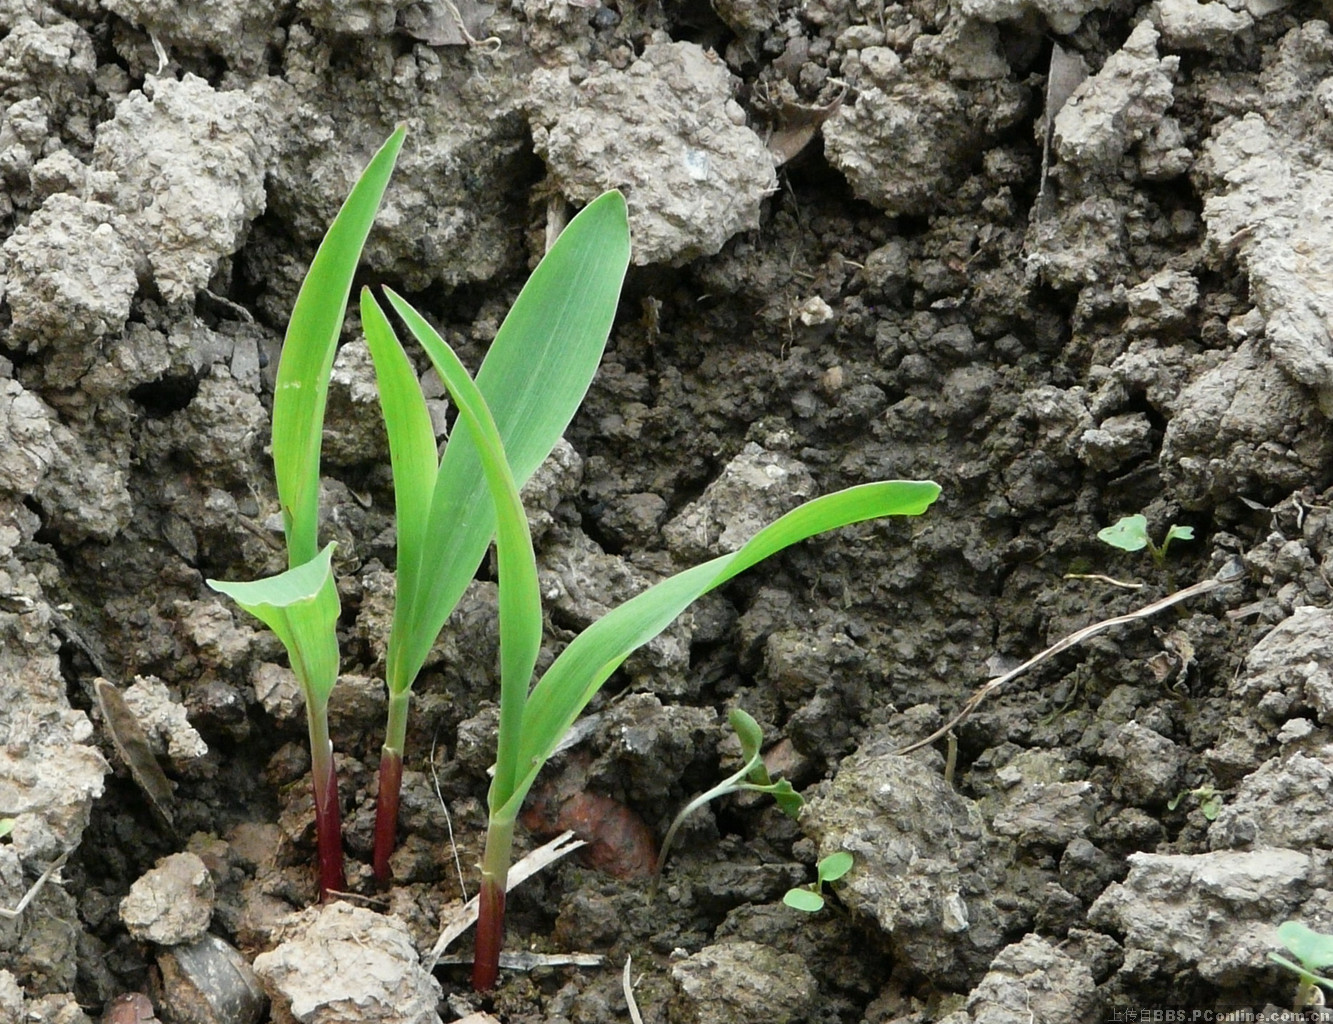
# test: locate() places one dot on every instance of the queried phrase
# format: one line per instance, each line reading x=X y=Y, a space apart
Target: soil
x=1068 y=258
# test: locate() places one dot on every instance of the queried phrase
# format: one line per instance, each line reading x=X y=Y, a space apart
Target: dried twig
x=465 y=916
x=627 y=983
x=33 y=890
x=526 y=961
x=1103 y=579
x=1077 y=637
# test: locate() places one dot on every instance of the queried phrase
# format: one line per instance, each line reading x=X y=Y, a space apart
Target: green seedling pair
x=1131 y=534
x=531 y=383
x=810 y=898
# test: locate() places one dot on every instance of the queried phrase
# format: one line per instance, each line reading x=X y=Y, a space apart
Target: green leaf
x=1129 y=534
x=412 y=452
x=302 y=383
x=520 y=595
x=1313 y=949
x=301 y=606
x=748 y=732
x=581 y=669
x=806 y=900
x=533 y=378
x=6 y=826
x=788 y=800
x=834 y=866
x=1178 y=533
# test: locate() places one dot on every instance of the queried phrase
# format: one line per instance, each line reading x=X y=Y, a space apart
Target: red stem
x=328 y=833
x=490 y=934
x=386 y=813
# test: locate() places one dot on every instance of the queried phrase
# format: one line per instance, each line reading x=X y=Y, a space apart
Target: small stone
x=345 y=963
x=172 y=903
x=208 y=982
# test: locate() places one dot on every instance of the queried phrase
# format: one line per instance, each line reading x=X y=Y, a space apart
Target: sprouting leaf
x=806 y=900
x=1313 y=949
x=581 y=669
x=834 y=866
x=788 y=800
x=520 y=612
x=1129 y=534
x=748 y=732
x=1178 y=533
x=301 y=607
x=534 y=378
x=6 y=826
x=302 y=384
x=1211 y=806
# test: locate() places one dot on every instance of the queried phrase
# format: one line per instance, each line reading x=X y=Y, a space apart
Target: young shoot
x=752 y=777
x=810 y=898
x=1314 y=951
x=1210 y=801
x=301 y=605
x=533 y=721
x=533 y=380
x=1131 y=534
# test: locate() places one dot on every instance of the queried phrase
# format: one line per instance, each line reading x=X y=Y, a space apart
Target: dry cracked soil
x=1069 y=258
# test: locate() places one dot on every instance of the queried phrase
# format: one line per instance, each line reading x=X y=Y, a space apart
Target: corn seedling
x=1314 y=951
x=810 y=898
x=752 y=777
x=533 y=721
x=532 y=381
x=301 y=605
x=1131 y=534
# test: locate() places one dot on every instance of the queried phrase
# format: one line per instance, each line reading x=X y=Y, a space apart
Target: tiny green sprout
x=1314 y=950
x=752 y=777
x=1210 y=801
x=6 y=826
x=810 y=898
x=1131 y=534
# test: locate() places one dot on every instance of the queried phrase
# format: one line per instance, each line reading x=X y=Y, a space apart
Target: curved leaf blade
x=533 y=378
x=581 y=669
x=301 y=606
x=520 y=595
x=301 y=391
x=412 y=452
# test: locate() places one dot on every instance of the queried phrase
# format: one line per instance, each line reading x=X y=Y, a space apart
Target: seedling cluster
x=1131 y=534
x=449 y=507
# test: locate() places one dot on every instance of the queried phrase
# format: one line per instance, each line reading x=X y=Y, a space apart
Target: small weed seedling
x=533 y=719
x=1131 y=534
x=301 y=605
x=810 y=898
x=1314 y=950
x=753 y=776
x=6 y=826
x=1210 y=801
